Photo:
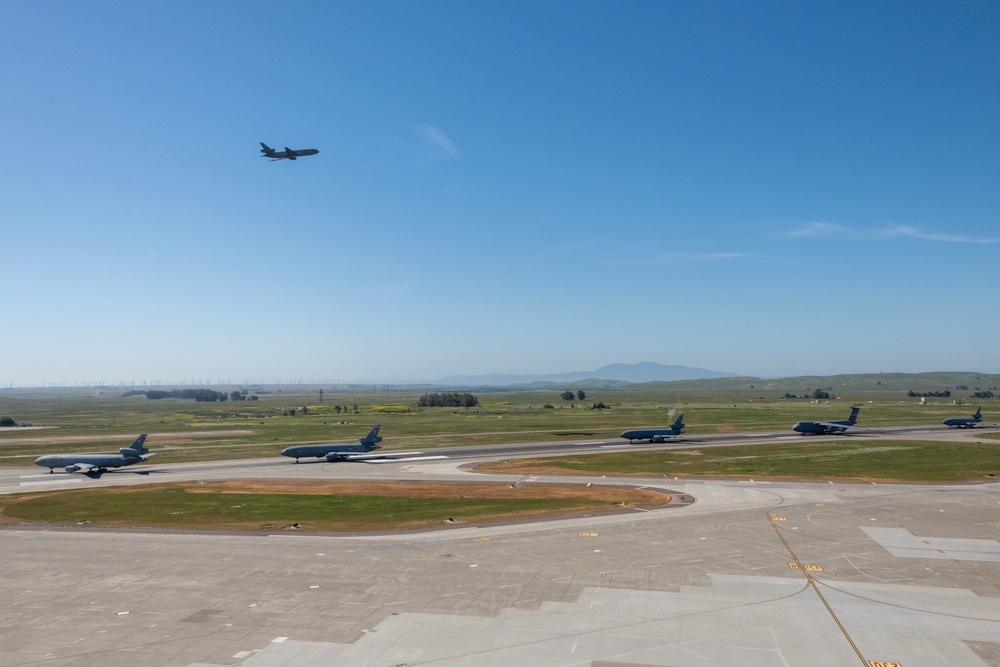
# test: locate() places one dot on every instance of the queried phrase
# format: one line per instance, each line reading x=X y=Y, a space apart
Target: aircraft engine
x=72 y=468
x=333 y=457
x=127 y=453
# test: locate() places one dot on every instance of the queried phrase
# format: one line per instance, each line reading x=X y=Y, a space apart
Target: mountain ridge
x=643 y=371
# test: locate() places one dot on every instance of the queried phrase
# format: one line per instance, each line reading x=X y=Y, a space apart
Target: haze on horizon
x=526 y=188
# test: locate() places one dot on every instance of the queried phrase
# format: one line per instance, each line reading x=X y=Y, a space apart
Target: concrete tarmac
x=753 y=573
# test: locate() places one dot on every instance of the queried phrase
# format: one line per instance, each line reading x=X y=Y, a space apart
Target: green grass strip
x=843 y=459
x=178 y=508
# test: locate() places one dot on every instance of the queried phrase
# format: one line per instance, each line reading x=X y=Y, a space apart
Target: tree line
x=817 y=395
x=454 y=400
x=200 y=395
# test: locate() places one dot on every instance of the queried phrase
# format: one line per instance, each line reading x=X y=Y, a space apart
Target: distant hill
x=645 y=371
x=649 y=376
x=838 y=384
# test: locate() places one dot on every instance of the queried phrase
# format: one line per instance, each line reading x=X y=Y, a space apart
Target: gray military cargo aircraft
x=287 y=154
x=829 y=428
x=363 y=452
x=656 y=434
x=964 y=422
x=95 y=465
x=333 y=452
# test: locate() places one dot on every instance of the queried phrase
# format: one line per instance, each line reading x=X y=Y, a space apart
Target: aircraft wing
x=386 y=455
x=394 y=457
x=838 y=427
x=80 y=467
x=426 y=457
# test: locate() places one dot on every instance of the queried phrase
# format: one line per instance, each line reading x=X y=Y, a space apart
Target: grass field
x=895 y=460
x=214 y=431
x=316 y=506
x=501 y=416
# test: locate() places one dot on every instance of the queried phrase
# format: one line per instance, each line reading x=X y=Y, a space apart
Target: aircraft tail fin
x=266 y=150
x=978 y=415
x=854 y=415
x=372 y=439
x=137 y=448
x=679 y=422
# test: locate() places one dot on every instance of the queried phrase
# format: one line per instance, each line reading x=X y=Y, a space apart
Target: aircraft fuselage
x=830 y=427
x=84 y=462
x=287 y=154
x=818 y=428
x=960 y=422
x=651 y=434
x=331 y=452
x=95 y=464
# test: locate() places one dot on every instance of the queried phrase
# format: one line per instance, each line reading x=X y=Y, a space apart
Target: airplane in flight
x=287 y=154
x=656 y=434
x=829 y=428
x=95 y=465
x=964 y=422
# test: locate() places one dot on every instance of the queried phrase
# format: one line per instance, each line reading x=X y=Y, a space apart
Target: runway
x=30 y=478
x=753 y=573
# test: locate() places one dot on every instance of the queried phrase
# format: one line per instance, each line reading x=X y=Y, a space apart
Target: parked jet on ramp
x=829 y=428
x=657 y=434
x=287 y=154
x=964 y=422
x=95 y=465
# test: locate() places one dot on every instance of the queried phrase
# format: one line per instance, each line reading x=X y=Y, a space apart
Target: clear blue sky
x=774 y=188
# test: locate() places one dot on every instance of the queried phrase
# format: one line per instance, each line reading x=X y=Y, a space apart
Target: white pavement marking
x=904 y=544
x=73 y=480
